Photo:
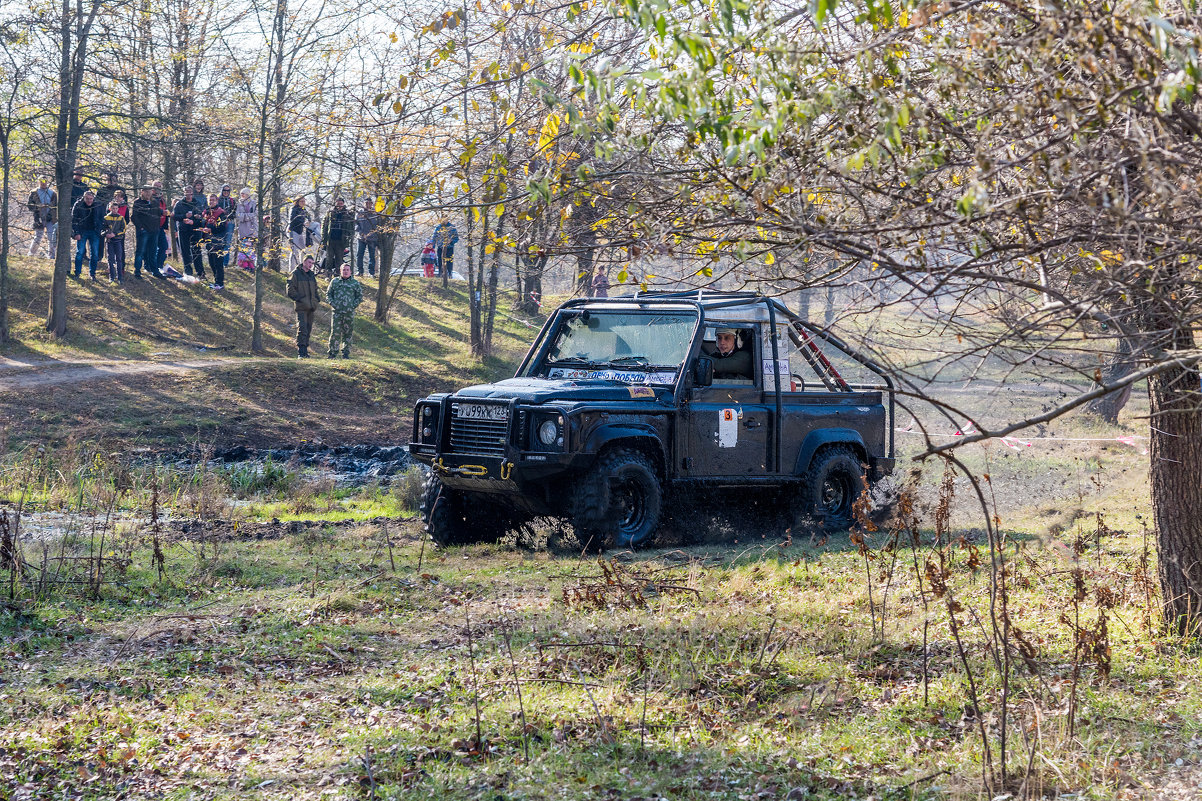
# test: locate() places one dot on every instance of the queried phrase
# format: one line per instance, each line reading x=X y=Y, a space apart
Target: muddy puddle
x=348 y=466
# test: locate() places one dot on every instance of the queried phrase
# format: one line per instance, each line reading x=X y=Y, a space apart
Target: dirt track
x=17 y=374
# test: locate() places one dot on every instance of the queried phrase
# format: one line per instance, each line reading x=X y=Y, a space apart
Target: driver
x=729 y=362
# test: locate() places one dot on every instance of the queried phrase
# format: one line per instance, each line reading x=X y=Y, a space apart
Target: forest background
x=1019 y=179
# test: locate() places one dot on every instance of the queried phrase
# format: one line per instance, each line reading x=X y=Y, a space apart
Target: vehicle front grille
x=479 y=436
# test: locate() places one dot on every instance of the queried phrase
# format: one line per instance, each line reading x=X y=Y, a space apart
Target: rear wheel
x=617 y=502
x=454 y=517
x=831 y=486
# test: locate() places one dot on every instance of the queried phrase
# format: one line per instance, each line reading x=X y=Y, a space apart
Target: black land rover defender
x=623 y=404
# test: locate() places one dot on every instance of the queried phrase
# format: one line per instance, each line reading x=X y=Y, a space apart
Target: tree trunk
x=1120 y=365
x=64 y=163
x=1175 y=398
x=4 y=240
x=584 y=270
x=803 y=304
x=385 y=246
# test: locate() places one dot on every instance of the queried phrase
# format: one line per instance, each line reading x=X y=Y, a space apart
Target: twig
x=764 y=647
x=370 y=776
x=471 y=652
x=596 y=709
x=928 y=777
x=518 y=687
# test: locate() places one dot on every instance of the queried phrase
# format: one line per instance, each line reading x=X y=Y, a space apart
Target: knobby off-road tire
x=617 y=502
x=451 y=517
x=830 y=488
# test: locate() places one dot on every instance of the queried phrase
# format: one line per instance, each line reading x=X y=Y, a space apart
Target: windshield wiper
x=575 y=361
x=635 y=359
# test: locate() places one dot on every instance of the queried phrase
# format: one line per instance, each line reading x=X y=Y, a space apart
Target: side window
x=734 y=349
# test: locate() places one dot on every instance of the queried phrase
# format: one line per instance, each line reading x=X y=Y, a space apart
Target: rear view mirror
x=703 y=372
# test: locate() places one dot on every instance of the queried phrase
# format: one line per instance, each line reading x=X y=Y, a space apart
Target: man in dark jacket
x=43 y=204
x=302 y=289
x=104 y=195
x=164 y=244
x=147 y=219
x=187 y=214
x=78 y=186
x=86 y=219
x=445 y=237
x=729 y=360
x=366 y=224
x=336 y=232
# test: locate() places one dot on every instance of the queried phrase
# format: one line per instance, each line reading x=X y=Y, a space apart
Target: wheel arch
x=817 y=441
x=636 y=436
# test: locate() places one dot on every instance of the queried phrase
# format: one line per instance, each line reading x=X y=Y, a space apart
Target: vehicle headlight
x=548 y=432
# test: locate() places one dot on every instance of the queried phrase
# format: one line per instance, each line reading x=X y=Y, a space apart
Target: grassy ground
x=348 y=660
x=298 y=640
x=248 y=400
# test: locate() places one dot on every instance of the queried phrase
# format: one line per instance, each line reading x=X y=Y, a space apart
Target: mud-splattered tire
x=830 y=488
x=617 y=502
x=451 y=518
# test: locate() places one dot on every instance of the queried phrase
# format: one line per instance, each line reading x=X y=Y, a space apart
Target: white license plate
x=482 y=411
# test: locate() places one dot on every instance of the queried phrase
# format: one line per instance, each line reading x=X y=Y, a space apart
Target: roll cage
x=801 y=332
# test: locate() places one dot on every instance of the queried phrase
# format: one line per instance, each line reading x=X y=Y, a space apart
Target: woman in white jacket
x=247 y=218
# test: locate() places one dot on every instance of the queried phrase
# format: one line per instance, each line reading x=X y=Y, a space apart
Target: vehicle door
x=726 y=427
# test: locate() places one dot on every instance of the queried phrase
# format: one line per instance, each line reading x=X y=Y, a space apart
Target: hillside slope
x=233 y=397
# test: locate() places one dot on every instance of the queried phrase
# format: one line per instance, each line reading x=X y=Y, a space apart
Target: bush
x=408 y=487
x=249 y=478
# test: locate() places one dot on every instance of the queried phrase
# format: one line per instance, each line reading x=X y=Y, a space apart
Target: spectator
x=164 y=243
x=299 y=231
x=122 y=203
x=226 y=201
x=188 y=221
x=43 y=204
x=113 y=231
x=106 y=193
x=148 y=224
x=336 y=232
x=247 y=217
x=600 y=283
x=215 y=223
x=445 y=237
x=86 y=219
x=366 y=224
x=344 y=295
x=302 y=290
x=429 y=259
x=198 y=190
x=78 y=187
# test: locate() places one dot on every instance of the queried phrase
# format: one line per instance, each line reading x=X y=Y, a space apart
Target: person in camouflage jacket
x=344 y=295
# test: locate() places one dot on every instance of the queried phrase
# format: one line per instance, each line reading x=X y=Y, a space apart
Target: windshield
x=619 y=345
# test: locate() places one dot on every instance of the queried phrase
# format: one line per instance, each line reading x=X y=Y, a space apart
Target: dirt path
x=17 y=374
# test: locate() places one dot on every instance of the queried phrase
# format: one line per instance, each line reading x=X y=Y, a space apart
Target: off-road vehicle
x=624 y=405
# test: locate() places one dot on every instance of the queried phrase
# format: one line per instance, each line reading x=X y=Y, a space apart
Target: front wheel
x=451 y=517
x=618 y=501
x=831 y=486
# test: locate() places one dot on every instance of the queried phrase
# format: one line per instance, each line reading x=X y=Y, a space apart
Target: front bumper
x=499 y=474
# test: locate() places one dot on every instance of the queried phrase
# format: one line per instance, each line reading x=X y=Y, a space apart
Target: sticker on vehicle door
x=728 y=428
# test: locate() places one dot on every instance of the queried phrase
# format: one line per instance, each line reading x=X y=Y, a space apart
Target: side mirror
x=703 y=372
